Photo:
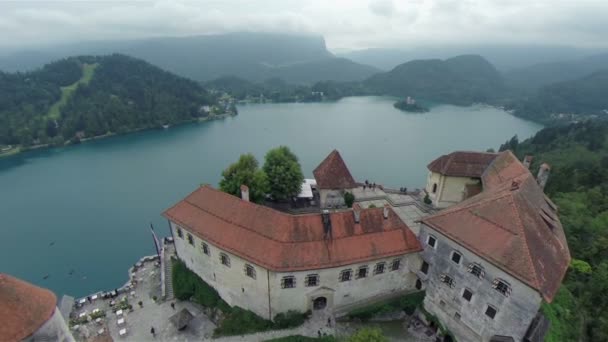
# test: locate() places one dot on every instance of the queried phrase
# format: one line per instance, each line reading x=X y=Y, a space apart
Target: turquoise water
x=86 y=209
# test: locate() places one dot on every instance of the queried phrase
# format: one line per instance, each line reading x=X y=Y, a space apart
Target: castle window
x=396 y=265
x=190 y=239
x=491 y=311
x=346 y=275
x=425 y=267
x=225 y=259
x=180 y=233
x=362 y=272
x=250 y=271
x=476 y=270
x=379 y=269
x=434 y=188
x=205 y=248
x=312 y=280
x=446 y=279
x=467 y=294
x=288 y=282
x=431 y=241
x=501 y=286
x=456 y=257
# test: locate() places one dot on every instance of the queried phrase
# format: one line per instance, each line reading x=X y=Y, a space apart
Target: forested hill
x=585 y=96
x=460 y=80
x=89 y=96
x=578 y=184
x=295 y=58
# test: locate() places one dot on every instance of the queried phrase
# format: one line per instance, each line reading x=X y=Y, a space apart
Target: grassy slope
x=88 y=70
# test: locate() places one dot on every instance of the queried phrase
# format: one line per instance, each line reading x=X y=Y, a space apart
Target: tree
x=368 y=335
x=510 y=144
x=245 y=172
x=283 y=172
x=349 y=199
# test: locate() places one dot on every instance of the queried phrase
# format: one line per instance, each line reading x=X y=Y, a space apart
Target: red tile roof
x=283 y=242
x=332 y=173
x=462 y=164
x=24 y=308
x=512 y=225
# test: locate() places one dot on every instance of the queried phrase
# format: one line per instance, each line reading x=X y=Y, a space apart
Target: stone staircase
x=169 y=252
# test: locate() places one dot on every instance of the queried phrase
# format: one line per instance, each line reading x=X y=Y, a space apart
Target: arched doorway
x=319 y=303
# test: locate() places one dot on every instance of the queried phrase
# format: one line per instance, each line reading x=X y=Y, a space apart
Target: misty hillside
x=504 y=57
x=252 y=56
x=459 y=80
x=90 y=96
x=538 y=75
x=586 y=95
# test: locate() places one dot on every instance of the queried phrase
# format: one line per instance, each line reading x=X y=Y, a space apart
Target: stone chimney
x=543 y=175
x=385 y=211
x=357 y=212
x=528 y=161
x=245 y=192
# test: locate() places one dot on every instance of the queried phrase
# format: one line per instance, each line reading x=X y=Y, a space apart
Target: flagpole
x=155 y=239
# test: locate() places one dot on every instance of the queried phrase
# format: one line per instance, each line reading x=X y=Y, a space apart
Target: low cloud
x=384 y=8
x=350 y=24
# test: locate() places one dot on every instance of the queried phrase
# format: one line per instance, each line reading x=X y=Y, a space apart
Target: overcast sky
x=345 y=24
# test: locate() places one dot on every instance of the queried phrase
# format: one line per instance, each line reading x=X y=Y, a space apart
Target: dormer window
x=456 y=258
x=501 y=286
x=476 y=270
x=431 y=241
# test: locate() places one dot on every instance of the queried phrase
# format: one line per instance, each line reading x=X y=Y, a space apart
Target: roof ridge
x=294 y=241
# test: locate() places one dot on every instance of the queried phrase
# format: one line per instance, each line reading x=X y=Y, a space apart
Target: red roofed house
x=490 y=260
x=487 y=261
x=270 y=262
x=456 y=176
x=333 y=180
x=29 y=313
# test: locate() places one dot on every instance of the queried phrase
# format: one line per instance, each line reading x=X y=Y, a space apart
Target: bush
x=410 y=302
x=407 y=303
x=368 y=335
x=290 y=319
x=427 y=199
x=240 y=322
x=300 y=338
x=349 y=199
x=187 y=285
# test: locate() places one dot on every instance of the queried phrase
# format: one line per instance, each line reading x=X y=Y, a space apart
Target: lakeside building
x=29 y=313
x=488 y=253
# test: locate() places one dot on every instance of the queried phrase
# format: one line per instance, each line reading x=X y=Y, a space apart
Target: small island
x=410 y=105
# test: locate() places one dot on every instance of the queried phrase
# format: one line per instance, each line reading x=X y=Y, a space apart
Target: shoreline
x=17 y=149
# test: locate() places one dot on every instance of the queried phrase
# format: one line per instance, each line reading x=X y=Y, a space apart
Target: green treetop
x=245 y=171
x=283 y=172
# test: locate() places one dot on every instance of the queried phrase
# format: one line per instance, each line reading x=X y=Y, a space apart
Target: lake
x=81 y=214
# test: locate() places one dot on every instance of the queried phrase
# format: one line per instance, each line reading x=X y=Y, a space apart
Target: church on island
x=482 y=239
